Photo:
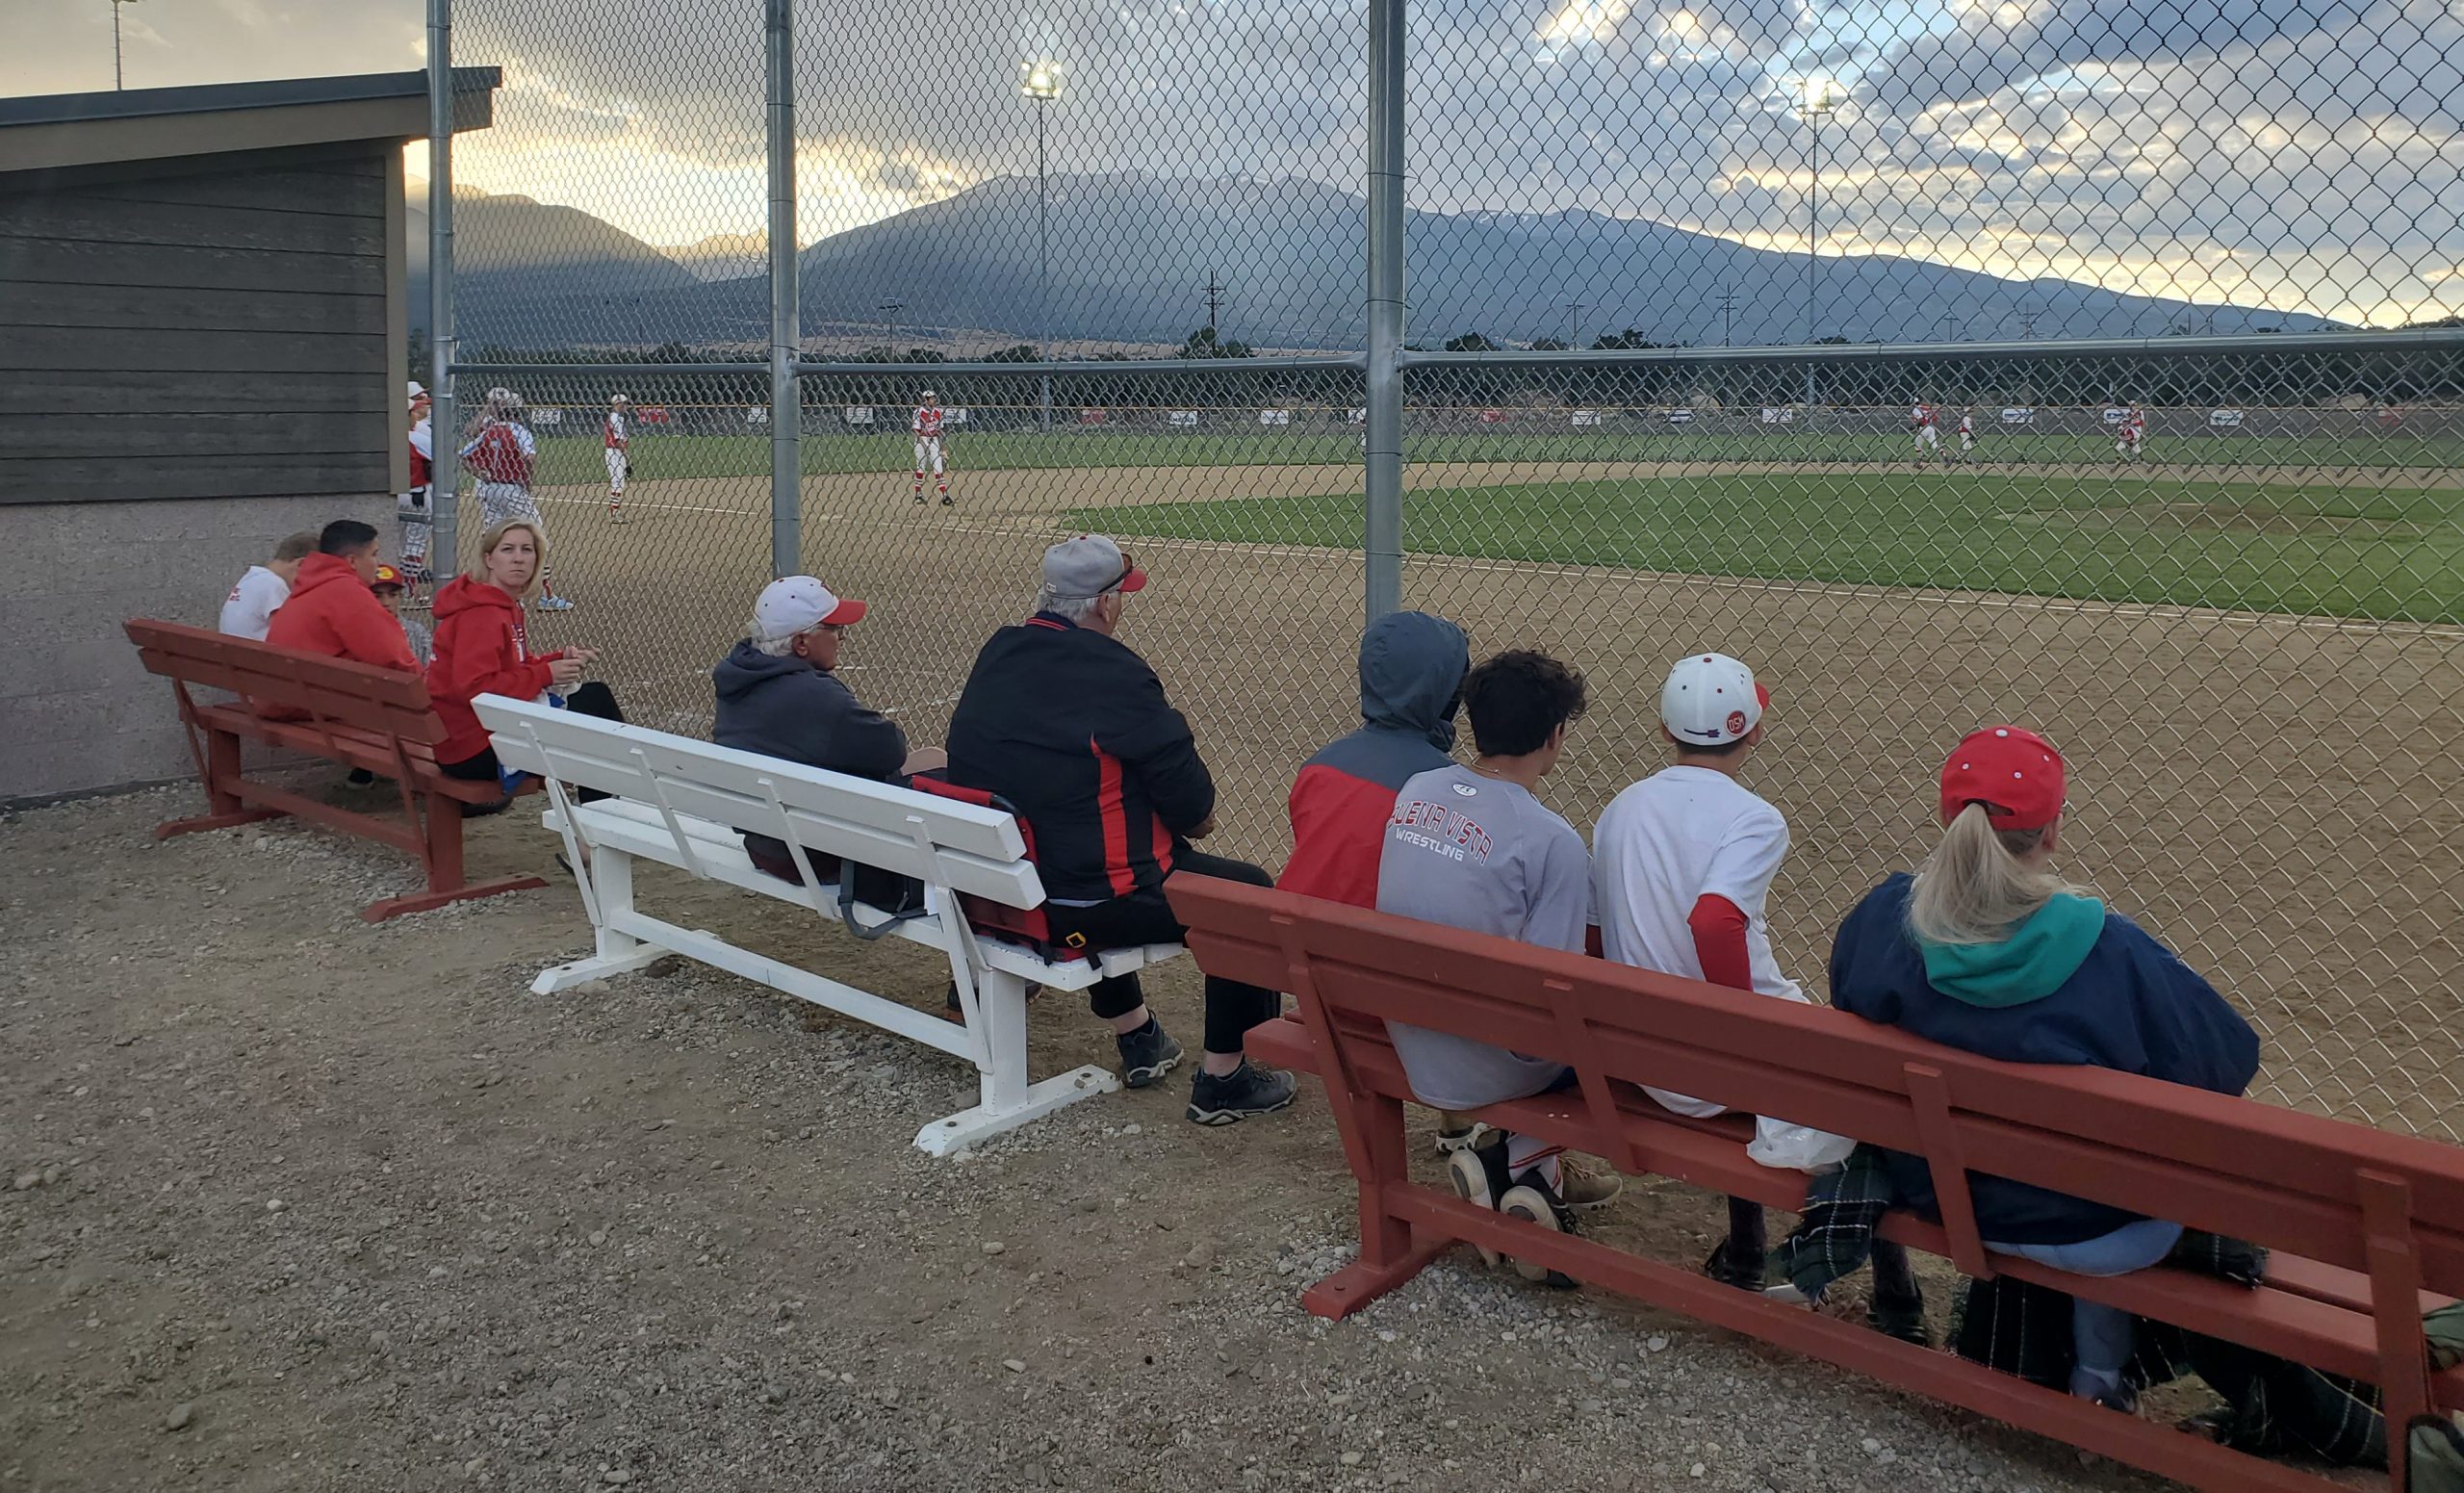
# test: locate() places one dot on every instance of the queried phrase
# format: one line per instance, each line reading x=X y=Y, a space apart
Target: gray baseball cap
x=1088 y=565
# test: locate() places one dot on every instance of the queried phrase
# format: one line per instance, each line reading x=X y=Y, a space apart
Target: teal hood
x=2036 y=961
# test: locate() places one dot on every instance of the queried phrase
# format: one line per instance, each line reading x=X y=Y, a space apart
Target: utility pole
x=1728 y=309
x=120 y=79
x=889 y=310
x=1214 y=304
x=1574 y=326
x=2028 y=325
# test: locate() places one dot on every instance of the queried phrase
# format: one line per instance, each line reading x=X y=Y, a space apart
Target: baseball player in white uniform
x=1928 y=438
x=499 y=457
x=619 y=440
x=927 y=429
x=413 y=510
x=2134 y=432
x=1967 y=431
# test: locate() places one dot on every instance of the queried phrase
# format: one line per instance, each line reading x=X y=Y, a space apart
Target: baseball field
x=2254 y=670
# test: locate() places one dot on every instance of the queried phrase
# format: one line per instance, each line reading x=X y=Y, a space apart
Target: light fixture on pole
x=889 y=310
x=1818 y=99
x=1041 y=83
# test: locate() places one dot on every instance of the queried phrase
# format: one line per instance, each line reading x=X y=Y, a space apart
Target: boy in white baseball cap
x=1682 y=864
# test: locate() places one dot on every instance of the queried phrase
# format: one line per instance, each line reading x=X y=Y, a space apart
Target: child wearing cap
x=1681 y=867
x=1987 y=949
x=393 y=588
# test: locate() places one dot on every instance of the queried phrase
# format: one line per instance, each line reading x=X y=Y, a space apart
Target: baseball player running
x=927 y=428
x=411 y=510
x=620 y=452
x=2134 y=432
x=499 y=457
x=1928 y=438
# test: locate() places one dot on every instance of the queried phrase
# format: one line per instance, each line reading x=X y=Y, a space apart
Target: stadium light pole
x=889 y=310
x=1817 y=98
x=1042 y=84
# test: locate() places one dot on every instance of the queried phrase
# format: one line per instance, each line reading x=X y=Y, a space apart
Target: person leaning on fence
x=1411 y=686
x=1073 y=729
x=778 y=696
x=264 y=588
x=1474 y=848
x=483 y=648
x=1987 y=949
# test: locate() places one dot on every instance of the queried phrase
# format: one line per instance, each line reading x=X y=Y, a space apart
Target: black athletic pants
x=1232 y=1008
x=591 y=699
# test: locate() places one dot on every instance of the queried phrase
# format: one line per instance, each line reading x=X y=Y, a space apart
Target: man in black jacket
x=777 y=696
x=1074 y=730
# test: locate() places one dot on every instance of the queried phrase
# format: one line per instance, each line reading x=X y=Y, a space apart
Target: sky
x=2300 y=154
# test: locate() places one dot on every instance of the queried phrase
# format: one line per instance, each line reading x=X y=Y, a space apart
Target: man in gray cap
x=1074 y=730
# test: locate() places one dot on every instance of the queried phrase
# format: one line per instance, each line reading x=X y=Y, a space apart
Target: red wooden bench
x=2368 y=1227
x=354 y=713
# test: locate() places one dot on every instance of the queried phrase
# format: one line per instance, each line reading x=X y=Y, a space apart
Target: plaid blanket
x=2438 y=1454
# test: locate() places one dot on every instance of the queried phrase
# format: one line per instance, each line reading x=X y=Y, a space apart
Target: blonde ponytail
x=1976 y=888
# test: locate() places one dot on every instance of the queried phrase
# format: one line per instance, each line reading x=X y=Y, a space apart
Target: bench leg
x=1390 y=1251
x=1008 y=1100
x=611 y=880
x=443 y=858
x=223 y=807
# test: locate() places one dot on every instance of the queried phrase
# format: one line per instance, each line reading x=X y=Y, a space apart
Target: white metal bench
x=681 y=802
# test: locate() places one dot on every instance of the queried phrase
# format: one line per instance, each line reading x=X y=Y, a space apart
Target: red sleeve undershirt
x=1719 y=941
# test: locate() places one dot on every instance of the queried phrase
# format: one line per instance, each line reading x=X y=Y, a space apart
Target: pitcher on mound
x=927 y=429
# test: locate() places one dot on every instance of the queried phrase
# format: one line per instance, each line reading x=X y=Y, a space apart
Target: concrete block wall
x=78 y=712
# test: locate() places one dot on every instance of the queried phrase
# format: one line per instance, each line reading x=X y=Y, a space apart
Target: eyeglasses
x=1127 y=566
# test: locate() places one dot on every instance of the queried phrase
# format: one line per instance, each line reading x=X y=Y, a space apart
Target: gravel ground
x=298 y=1203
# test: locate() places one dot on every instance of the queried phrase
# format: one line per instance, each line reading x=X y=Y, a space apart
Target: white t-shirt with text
x=250 y=606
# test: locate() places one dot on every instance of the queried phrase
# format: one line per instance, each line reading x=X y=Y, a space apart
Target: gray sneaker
x=1147 y=1056
x=1246 y=1090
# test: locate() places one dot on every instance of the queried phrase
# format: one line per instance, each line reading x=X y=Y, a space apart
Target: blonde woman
x=482 y=647
x=1986 y=948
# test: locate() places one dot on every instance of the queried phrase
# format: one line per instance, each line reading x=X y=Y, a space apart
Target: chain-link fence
x=2094 y=405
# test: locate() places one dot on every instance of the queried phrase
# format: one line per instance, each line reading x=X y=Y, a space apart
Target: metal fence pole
x=1382 y=527
x=786 y=419
x=445 y=428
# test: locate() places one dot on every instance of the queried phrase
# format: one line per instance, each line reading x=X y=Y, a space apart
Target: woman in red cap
x=1987 y=949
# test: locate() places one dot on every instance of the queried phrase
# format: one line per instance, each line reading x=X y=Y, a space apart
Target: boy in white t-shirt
x=1681 y=864
x=250 y=607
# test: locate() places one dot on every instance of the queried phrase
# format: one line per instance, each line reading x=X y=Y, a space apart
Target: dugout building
x=203 y=343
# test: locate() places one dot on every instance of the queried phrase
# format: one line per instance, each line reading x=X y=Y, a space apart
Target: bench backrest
x=2309 y=1186
x=335 y=691
x=965 y=847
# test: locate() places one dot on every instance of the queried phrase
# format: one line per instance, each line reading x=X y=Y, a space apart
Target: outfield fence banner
x=1810 y=335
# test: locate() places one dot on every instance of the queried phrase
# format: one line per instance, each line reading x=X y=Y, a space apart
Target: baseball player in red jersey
x=499 y=457
x=927 y=428
x=2134 y=431
x=619 y=439
x=1928 y=438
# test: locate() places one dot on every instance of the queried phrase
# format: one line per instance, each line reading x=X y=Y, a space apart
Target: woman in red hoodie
x=483 y=648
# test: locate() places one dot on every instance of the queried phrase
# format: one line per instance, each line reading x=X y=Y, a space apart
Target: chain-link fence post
x=1382 y=538
x=786 y=422
x=445 y=467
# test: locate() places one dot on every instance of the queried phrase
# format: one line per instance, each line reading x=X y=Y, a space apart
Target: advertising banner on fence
x=1779 y=415
x=2018 y=415
x=1183 y=418
x=1680 y=417
x=1275 y=417
x=1586 y=416
x=2224 y=418
x=858 y=414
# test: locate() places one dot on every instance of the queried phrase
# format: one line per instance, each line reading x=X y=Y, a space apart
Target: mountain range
x=1131 y=257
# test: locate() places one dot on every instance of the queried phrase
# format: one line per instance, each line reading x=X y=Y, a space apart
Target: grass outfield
x=2394 y=556
x=659 y=455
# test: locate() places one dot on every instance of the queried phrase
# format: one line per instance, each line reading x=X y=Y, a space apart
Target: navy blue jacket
x=2131 y=1004
x=787 y=708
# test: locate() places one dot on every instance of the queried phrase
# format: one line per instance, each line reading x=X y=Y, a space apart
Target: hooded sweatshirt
x=1411 y=679
x=2074 y=984
x=482 y=648
x=789 y=708
x=332 y=613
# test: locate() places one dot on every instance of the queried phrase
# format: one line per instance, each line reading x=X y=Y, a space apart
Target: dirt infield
x=2275 y=796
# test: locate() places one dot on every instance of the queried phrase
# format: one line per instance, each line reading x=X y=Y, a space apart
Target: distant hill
x=1131 y=255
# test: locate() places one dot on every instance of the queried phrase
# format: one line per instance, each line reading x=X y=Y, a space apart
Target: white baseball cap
x=1711 y=699
x=618 y=399
x=419 y=390
x=800 y=603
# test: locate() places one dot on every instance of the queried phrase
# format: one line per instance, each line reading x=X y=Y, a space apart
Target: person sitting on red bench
x=1987 y=949
x=332 y=610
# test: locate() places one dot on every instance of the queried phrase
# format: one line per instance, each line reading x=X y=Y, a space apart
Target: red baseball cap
x=2015 y=773
x=386 y=575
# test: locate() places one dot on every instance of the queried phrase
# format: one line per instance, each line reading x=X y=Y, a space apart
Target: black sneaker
x=359 y=777
x=1147 y=1054
x=1901 y=1320
x=1535 y=1201
x=1246 y=1090
x=1726 y=1269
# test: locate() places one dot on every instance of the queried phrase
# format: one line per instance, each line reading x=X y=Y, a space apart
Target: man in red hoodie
x=332 y=610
